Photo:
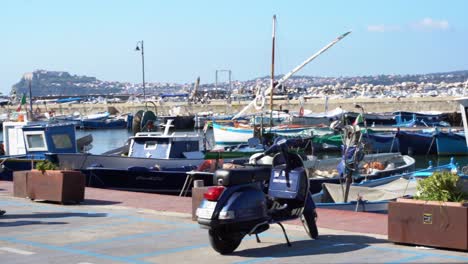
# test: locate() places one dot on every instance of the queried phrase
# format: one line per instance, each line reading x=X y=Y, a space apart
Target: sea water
x=108 y=139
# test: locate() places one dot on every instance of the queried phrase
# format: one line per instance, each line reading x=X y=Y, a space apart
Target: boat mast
x=272 y=82
x=291 y=73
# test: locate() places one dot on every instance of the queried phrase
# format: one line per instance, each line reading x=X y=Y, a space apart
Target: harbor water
x=104 y=140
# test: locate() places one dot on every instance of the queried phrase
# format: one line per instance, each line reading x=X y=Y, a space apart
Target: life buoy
x=259 y=98
x=301 y=111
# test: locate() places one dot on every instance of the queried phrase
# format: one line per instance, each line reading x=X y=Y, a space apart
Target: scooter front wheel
x=224 y=243
x=309 y=221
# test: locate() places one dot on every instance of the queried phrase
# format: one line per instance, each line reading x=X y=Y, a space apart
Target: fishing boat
x=400 y=122
x=374 y=195
x=203 y=118
x=149 y=162
x=240 y=134
x=450 y=143
x=25 y=143
x=372 y=166
x=270 y=118
x=416 y=143
x=309 y=118
x=108 y=123
x=384 y=119
x=381 y=142
x=429 y=117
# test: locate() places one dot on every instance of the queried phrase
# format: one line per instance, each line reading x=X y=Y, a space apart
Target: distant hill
x=53 y=83
x=47 y=83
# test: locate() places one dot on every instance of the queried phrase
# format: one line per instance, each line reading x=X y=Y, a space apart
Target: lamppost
x=29 y=76
x=140 y=47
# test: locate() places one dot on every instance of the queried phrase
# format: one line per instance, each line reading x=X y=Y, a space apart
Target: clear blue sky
x=186 y=39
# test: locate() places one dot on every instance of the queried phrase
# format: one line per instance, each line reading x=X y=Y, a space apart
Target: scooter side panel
x=247 y=205
x=278 y=187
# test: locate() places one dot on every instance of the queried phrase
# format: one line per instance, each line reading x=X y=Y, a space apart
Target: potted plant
x=437 y=216
x=48 y=183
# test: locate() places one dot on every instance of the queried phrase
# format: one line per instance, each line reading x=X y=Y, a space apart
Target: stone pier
x=443 y=104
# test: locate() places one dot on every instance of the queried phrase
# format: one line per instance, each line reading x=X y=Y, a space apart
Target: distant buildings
x=50 y=83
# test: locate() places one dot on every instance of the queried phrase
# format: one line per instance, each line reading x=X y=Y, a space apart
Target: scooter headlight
x=224 y=215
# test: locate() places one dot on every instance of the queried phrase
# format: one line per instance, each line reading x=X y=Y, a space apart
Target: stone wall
x=443 y=104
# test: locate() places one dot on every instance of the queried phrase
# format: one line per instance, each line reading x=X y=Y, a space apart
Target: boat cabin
x=158 y=145
x=38 y=138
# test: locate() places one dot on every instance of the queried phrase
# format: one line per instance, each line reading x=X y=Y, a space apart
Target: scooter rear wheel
x=309 y=221
x=224 y=243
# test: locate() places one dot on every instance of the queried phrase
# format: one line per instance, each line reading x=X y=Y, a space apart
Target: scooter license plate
x=206 y=209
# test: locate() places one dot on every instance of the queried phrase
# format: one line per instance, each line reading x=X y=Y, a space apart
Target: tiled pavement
x=124 y=227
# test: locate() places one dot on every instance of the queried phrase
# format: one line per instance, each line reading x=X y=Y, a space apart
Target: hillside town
x=46 y=83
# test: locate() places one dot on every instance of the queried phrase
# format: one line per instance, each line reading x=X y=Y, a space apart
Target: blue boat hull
x=381 y=142
x=450 y=144
x=416 y=143
x=140 y=179
x=103 y=124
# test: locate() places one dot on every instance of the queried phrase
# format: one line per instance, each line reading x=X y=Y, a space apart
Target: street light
x=140 y=47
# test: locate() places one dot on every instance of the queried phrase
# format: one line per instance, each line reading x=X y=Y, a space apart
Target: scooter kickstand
x=258 y=239
x=285 y=235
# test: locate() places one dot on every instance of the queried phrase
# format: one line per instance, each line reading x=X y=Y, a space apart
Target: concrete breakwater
x=443 y=104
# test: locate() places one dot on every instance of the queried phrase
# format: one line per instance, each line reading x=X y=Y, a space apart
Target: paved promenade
x=125 y=227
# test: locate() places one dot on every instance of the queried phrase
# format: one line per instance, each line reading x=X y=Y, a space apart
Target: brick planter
x=56 y=185
x=428 y=223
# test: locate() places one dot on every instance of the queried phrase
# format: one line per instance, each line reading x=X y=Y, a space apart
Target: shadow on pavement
x=52 y=215
x=23 y=223
x=326 y=244
x=98 y=202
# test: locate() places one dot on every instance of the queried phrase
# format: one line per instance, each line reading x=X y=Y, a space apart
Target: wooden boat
x=372 y=118
x=416 y=143
x=432 y=117
x=381 y=142
x=309 y=118
x=240 y=134
x=109 y=123
x=374 y=195
x=450 y=143
x=373 y=166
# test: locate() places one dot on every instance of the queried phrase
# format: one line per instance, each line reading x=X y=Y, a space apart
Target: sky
x=186 y=39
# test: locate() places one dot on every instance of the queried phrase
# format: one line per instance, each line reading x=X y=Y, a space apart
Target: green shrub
x=44 y=165
x=441 y=186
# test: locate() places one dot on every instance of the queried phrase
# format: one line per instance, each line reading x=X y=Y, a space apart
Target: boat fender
x=301 y=111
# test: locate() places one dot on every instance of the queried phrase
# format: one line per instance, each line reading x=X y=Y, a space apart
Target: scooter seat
x=242 y=176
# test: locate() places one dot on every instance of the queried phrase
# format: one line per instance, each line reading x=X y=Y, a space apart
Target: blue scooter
x=246 y=201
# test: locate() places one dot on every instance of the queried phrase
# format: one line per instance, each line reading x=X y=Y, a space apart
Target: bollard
x=198 y=183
